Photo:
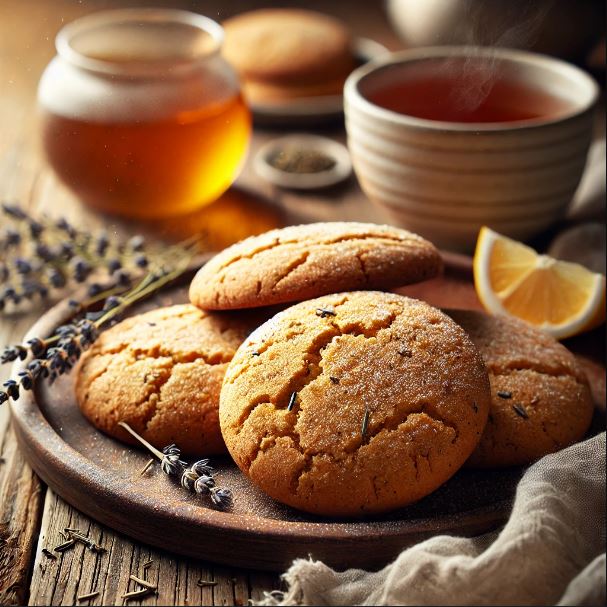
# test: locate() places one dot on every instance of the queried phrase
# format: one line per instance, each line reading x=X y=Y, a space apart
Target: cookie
x=161 y=372
x=287 y=46
x=306 y=261
x=540 y=398
x=354 y=403
x=263 y=93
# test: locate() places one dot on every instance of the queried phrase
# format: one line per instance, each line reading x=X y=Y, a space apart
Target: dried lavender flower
x=13 y=211
x=204 y=484
x=171 y=462
x=101 y=244
x=27 y=379
x=54 y=254
x=122 y=278
x=202 y=467
x=136 y=243
x=196 y=478
x=188 y=478
x=45 y=257
x=113 y=265
x=141 y=261
x=12 y=353
x=81 y=269
x=221 y=497
x=94 y=289
x=23 y=266
x=325 y=311
x=56 y=278
x=11 y=387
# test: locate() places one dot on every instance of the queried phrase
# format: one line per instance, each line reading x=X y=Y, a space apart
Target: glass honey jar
x=141 y=116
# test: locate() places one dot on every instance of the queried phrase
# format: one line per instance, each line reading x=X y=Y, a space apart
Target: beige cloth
x=589 y=200
x=551 y=551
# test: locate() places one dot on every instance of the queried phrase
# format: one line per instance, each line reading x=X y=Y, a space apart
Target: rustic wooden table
x=32 y=516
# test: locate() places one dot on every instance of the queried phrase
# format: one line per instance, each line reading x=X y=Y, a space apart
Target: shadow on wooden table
x=238 y=213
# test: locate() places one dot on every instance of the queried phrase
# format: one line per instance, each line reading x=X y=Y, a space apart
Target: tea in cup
x=448 y=139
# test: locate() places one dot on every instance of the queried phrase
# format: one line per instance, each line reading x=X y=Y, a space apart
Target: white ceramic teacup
x=445 y=180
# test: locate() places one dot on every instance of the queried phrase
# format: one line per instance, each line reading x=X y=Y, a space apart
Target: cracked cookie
x=540 y=398
x=161 y=372
x=302 y=262
x=354 y=403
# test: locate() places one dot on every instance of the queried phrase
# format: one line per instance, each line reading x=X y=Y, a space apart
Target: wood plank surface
x=32 y=517
x=78 y=571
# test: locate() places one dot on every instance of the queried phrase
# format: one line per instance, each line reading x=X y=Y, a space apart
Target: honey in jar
x=140 y=114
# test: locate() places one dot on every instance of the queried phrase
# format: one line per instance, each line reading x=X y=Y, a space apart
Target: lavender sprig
x=171 y=462
x=197 y=478
x=56 y=355
x=41 y=257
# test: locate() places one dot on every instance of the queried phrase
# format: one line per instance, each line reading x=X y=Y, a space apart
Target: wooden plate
x=100 y=477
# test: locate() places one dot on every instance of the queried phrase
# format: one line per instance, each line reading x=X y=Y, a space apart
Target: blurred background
x=571 y=30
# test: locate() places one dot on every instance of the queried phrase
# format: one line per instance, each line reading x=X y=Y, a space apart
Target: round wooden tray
x=100 y=477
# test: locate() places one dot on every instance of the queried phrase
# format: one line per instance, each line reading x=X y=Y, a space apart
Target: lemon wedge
x=559 y=297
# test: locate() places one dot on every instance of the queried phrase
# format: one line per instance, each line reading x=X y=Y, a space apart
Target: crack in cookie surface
x=303 y=262
x=311 y=367
x=505 y=369
x=161 y=372
x=295 y=406
x=305 y=241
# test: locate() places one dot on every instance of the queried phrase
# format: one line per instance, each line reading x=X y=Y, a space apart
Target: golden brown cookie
x=306 y=261
x=540 y=399
x=161 y=372
x=354 y=403
x=287 y=46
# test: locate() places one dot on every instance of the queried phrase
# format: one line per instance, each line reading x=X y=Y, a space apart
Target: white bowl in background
x=447 y=179
x=556 y=27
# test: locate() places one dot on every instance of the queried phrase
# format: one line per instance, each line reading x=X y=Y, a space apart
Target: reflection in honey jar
x=150 y=168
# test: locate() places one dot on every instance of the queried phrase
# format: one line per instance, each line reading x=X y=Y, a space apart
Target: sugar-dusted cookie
x=354 y=403
x=306 y=261
x=540 y=399
x=161 y=372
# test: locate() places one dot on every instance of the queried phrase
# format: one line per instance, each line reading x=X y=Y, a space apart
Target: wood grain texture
x=78 y=571
x=21 y=498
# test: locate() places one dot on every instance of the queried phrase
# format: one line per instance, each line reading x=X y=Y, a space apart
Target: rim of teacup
x=354 y=97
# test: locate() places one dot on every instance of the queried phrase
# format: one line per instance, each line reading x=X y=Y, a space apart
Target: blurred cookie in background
x=282 y=54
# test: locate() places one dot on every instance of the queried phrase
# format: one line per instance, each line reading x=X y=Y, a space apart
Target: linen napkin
x=550 y=552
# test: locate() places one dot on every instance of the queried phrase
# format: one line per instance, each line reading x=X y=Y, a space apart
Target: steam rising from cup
x=476 y=76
